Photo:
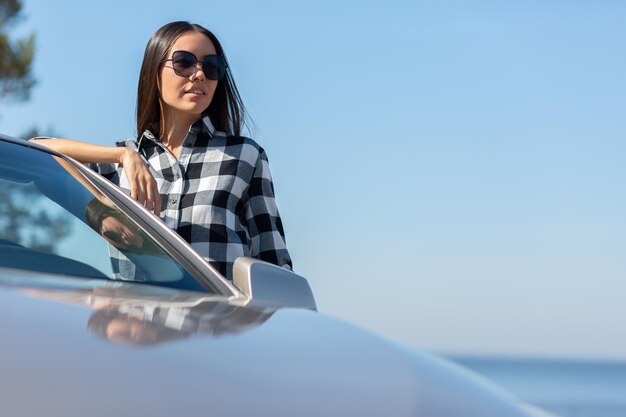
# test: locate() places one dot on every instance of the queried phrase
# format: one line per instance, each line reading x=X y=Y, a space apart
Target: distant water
x=566 y=388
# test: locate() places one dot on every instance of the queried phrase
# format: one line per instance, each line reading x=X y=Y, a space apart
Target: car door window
x=52 y=219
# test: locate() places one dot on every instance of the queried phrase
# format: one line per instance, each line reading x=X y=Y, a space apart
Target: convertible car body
x=104 y=311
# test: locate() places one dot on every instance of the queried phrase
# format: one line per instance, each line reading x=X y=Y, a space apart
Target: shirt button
x=173 y=201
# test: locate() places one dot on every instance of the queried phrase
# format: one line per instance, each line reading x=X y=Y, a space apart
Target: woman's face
x=185 y=98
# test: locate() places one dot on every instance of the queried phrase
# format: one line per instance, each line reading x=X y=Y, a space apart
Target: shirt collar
x=201 y=125
x=208 y=125
x=146 y=135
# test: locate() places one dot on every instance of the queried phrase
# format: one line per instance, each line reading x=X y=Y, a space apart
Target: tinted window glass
x=53 y=220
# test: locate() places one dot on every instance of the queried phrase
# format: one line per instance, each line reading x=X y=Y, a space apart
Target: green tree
x=16 y=56
x=24 y=217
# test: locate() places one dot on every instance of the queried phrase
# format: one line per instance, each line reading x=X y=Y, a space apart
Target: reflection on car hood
x=101 y=348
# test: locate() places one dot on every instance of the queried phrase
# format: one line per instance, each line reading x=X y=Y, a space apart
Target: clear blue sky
x=450 y=174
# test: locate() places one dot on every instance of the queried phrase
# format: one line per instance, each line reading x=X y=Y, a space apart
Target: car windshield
x=53 y=220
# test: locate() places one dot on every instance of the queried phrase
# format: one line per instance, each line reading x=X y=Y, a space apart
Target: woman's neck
x=174 y=131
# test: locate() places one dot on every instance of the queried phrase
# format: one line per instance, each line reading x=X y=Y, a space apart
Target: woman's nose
x=198 y=73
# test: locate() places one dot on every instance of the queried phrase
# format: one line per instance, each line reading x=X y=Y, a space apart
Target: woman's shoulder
x=138 y=142
x=246 y=147
x=235 y=140
x=221 y=138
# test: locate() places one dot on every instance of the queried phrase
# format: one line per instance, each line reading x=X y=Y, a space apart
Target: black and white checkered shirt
x=218 y=195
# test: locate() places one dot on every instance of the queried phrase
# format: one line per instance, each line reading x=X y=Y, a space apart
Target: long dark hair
x=226 y=111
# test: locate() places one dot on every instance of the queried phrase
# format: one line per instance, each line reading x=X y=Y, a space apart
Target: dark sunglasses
x=185 y=64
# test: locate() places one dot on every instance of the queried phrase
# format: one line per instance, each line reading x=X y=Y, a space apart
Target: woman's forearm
x=143 y=186
x=84 y=152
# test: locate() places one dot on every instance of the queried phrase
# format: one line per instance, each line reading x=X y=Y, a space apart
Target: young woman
x=189 y=164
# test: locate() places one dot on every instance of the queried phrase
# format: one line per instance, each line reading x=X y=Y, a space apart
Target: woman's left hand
x=143 y=186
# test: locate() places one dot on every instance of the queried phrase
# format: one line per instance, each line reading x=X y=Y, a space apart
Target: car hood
x=73 y=347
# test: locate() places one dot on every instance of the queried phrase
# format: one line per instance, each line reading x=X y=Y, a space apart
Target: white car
x=104 y=311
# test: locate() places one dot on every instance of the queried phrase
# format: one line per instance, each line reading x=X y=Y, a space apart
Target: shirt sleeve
x=265 y=227
x=107 y=170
